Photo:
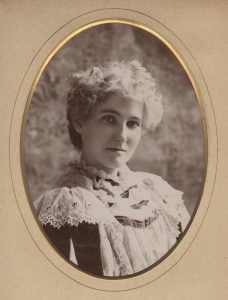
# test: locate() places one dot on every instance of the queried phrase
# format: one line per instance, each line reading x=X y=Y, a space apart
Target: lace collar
x=122 y=176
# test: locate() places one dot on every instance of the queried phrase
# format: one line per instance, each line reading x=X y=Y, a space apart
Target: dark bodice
x=86 y=242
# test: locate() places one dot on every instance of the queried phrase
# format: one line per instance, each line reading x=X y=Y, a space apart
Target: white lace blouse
x=139 y=216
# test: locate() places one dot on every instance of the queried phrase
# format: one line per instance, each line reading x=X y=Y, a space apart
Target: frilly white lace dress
x=112 y=225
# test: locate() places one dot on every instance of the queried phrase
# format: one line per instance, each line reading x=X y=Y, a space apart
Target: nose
x=121 y=134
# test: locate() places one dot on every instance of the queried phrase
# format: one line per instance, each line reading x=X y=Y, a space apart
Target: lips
x=116 y=149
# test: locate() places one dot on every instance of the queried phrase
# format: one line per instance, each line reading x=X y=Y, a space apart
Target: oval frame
x=16 y=138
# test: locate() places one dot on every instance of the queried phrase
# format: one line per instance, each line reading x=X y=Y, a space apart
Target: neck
x=109 y=171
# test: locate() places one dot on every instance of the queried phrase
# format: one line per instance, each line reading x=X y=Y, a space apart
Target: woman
x=103 y=217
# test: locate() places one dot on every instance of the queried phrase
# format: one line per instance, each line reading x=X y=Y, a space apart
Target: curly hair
x=92 y=87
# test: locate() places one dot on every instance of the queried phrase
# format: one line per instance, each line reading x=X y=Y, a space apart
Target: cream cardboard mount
x=33 y=269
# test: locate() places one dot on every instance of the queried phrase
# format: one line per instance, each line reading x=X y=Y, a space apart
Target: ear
x=78 y=126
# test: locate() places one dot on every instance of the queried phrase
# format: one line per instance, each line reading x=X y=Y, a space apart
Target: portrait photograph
x=114 y=150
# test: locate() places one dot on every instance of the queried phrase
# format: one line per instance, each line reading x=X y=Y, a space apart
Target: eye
x=109 y=119
x=133 y=124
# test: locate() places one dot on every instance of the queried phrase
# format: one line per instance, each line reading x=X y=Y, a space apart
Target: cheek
x=94 y=138
x=88 y=139
x=135 y=139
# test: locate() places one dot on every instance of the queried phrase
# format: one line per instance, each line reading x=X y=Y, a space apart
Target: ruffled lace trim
x=115 y=236
x=68 y=206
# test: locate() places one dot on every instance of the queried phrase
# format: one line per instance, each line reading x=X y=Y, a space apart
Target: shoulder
x=72 y=178
x=170 y=199
x=158 y=184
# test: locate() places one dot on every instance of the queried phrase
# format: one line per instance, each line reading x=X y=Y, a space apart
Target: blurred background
x=175 y=150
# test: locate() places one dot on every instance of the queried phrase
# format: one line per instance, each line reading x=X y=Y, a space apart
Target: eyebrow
x=112 y=111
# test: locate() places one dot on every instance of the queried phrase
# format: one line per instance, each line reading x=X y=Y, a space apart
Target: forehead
x=121 y=105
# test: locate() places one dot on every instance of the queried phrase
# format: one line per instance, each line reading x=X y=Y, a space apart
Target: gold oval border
x=198 y=96
x=168 y=44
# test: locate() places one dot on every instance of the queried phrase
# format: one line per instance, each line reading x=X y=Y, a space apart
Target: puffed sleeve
x=171 y=200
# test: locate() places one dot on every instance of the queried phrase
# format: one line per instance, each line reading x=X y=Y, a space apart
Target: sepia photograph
x=114 y=150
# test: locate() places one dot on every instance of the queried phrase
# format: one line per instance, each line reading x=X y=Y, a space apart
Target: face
x=111 y=135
